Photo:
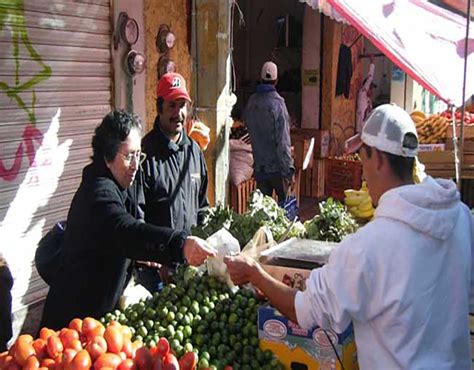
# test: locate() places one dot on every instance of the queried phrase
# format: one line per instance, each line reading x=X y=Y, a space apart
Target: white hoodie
x=403 y=279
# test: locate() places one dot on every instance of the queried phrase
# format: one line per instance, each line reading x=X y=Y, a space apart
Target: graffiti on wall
x=12 y=19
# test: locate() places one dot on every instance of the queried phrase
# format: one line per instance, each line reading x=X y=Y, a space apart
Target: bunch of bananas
x=432 y=129
x=359 y=202
x=348 y=157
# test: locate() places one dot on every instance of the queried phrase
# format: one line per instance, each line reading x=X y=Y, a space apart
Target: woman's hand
x=196 y=250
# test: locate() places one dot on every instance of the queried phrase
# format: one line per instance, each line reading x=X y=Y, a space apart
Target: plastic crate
x=342 y=174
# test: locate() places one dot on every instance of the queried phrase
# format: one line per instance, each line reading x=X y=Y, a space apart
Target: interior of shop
x=269 y=30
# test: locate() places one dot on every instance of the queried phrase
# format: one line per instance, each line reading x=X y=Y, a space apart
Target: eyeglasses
x=138 y=156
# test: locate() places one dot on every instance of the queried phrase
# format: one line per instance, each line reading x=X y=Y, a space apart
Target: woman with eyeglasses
x=103 y=233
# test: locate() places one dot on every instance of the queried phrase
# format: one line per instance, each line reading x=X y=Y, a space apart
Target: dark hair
x=160 y=101
x=402 y=167
x=112 y=131
x=159 y=104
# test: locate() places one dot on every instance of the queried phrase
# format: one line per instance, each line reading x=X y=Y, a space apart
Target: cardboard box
x=293 y=277
x=431 y=147
x=298 y=348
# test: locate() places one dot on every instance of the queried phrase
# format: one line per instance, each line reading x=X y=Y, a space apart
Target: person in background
x=268 y=123
x=365 y=96
x=405 y=279
x=6 y=284
x=102 y=236
x=176 y=179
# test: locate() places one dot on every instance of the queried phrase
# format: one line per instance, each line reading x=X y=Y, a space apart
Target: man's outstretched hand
x=196 y=250
x=241 y=269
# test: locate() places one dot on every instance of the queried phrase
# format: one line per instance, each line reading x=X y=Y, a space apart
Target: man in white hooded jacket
x=405 y=278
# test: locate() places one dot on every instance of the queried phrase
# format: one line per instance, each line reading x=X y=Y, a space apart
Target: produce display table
x=291 y=262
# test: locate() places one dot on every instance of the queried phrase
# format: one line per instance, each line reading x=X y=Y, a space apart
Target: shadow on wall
x=19 y=231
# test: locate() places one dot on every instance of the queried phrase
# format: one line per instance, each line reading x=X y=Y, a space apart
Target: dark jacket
x=100 y=239
x=175 y=180
x=268 y=123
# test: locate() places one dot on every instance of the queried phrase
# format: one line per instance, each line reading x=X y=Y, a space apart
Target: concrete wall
x=129 y=92
x=338 y=113
x=176 y=14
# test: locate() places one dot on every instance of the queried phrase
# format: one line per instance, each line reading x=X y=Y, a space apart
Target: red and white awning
x=424 y=40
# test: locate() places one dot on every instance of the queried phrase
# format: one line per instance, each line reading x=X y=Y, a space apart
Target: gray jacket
x=267 y=120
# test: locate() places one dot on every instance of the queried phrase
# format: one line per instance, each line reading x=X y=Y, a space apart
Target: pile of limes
x=199 y=313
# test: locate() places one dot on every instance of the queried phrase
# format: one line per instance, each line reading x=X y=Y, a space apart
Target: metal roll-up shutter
x=55 y=87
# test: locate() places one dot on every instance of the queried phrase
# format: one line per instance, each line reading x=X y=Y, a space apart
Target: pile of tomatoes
x=468 y=117
x=88 y=344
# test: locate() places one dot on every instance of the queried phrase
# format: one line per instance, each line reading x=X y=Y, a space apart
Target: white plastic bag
x=133 y=293
x=225 y=245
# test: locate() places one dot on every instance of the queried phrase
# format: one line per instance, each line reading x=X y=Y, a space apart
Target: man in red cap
x=175 y=181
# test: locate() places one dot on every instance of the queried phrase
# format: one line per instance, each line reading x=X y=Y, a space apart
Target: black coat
x=175 y=180
x=101 y=237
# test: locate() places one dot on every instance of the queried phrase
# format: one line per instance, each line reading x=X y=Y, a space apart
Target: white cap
x=269 y=71
x=389 y=129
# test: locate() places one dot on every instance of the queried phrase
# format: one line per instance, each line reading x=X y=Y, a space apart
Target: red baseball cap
x=172 y=86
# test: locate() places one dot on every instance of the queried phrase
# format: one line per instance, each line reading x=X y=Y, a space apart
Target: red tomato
x=67 y=336
x=109 y=360
x=40 y=348
x=170 y=362
x=76 y=324
x=82 y=361
x=126 y=332
x=31 y=363
x=143 y=359
x=10 y=364
x=45 y=333
x=188 y=361
x=68 y=356
x=54 y=346
x=163 y=347
x=75 y=344
x=23 y=349
x=48 y=363
x=127 y=364
x=127 y=348
x=96 y=347
x=114 y=338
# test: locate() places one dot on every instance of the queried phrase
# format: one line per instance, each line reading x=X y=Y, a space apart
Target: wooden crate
x=312 y=180
x=439 y=164
x=468 y=132
x=321 y=140
x=240 y=194
x=341 y=175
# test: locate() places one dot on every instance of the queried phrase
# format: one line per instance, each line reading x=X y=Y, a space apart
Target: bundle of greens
x=262 y=211
x=332 y=223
